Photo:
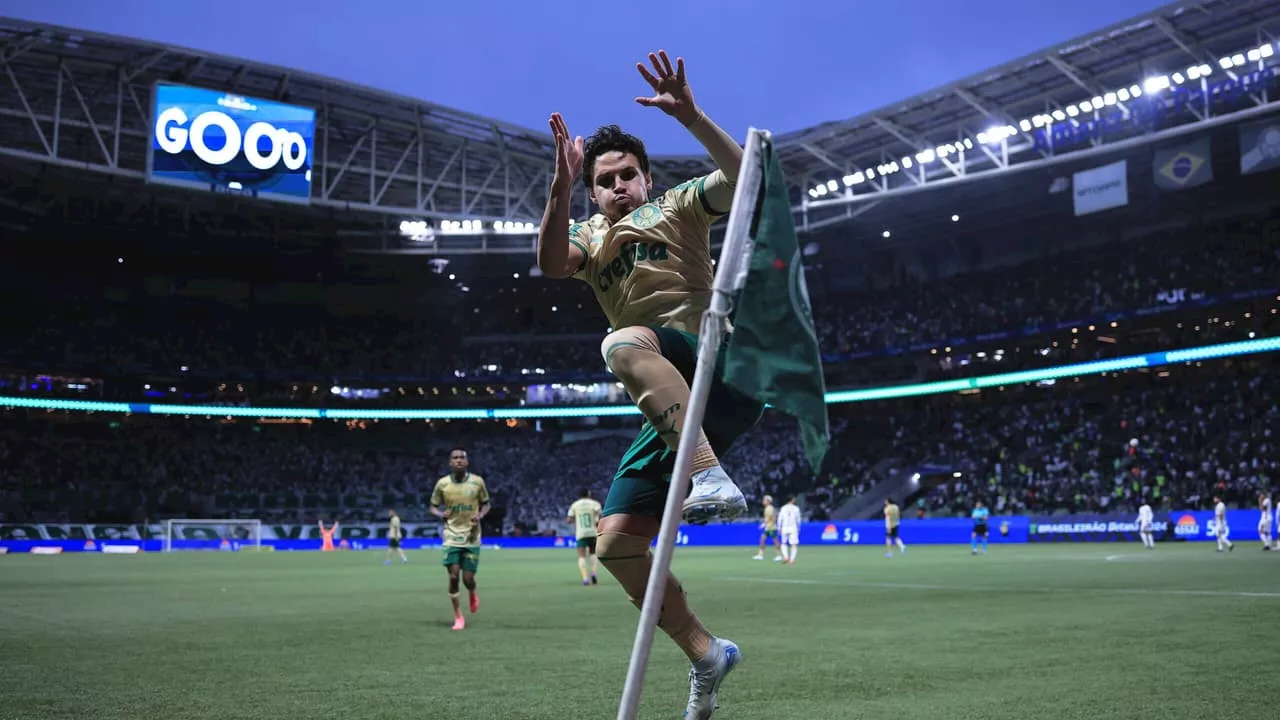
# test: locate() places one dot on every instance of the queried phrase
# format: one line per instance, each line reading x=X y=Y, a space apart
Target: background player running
x=769 y=531
x=462 y=500
x=980 y=515
x=584 y=513
x=892 y=519
x=648 y=260
x=394 y=534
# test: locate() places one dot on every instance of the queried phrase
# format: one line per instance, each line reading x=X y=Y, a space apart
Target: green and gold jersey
x=394 y=532
x=892 y=515
x=770 y=518
x=585 y=513
x=463 y=500
x=653 y=267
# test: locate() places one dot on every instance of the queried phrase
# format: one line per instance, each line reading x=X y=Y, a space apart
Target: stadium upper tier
x=83 y=102
x=1179 y=287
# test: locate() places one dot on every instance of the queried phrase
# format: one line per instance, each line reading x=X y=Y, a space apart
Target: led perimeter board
x=211 y=140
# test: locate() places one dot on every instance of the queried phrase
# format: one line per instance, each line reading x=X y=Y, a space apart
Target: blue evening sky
x=776 y=64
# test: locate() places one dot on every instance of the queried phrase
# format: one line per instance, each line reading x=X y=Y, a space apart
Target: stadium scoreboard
x=220 y=142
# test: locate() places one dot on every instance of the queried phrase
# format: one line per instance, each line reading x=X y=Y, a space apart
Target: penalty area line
x=990 y=588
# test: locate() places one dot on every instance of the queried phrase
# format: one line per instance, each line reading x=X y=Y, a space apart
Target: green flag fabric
x=773 y=353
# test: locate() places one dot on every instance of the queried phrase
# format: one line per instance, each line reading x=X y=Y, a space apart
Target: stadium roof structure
x=383 y=161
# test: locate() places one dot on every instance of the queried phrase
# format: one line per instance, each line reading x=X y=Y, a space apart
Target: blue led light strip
x=1133 y=362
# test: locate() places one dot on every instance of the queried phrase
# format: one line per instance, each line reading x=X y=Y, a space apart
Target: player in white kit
x=1264 y=520
x=1220 y=525
x=1145 y=519
x=789 y=529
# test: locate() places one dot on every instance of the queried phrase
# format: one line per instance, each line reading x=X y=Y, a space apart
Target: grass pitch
x=1065 y=631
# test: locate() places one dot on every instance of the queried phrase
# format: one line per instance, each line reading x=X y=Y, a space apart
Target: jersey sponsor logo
x=631 y=254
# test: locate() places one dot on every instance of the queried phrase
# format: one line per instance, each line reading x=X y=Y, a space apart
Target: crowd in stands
x=89 y=334
x=1039 y=449
x=1032 y=448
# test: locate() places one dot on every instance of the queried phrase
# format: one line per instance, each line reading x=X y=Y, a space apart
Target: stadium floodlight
x=1156 y=83
x=1135 y=90
x=831 y=185
x=1109 y=99
x=1072 y=110
x=1238 y=58
x=1225 y=63
x=1193 y=73
x=906 y=162
x=1086 y=106
x=1254 y=55
x=1206 y=70
x=1025 y=125
x=1123 y=94
x=212 y=534
x=1266 y=51
x=1059 y=115
x=925 y=157
x=851 y=180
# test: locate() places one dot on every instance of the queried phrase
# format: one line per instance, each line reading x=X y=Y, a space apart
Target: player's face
x=458 y=460
x=619 y=186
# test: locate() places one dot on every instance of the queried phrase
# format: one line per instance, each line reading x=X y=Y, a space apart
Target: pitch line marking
x=989 y=588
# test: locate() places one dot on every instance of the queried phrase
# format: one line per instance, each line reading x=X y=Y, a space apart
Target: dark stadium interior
x=235 y=367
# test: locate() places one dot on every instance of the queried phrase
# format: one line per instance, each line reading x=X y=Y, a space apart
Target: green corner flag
x=773 y=353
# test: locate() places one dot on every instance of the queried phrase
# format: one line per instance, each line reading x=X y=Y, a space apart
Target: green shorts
x=588 y=543
x=770 y=534
x=467 y=557
x=640 y=485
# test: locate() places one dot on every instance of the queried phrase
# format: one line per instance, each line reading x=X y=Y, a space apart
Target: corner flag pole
x=731 y=273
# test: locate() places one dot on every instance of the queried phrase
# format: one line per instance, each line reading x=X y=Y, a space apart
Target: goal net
x=201 y=534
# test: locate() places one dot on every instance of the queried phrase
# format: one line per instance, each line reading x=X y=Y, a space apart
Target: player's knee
x=623 y=348
x=626 y=557
x=469 y=579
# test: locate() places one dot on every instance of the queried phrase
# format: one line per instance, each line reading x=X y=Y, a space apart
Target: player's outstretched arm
x=673 y=96
x=557 y=257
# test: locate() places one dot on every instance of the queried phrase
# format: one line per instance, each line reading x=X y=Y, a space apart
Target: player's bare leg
x=455 y=575
x=582 y=566
x=634 y=355
x=623 y=547
x=760 y=553
x=469 y=579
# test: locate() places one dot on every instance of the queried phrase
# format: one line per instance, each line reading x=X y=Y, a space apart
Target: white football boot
x=713 y=495
x=706 y=675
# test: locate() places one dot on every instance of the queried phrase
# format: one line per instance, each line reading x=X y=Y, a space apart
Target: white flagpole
x=731 y=272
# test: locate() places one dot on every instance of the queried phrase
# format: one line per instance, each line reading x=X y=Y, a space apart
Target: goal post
x=212 y=534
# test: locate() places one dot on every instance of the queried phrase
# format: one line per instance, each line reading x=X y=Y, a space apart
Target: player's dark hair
x=610 y=138
x=586 y=492
x=459 y=448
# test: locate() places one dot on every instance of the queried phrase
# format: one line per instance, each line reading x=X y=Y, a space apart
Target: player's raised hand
x=671 y=92
x=569 y=153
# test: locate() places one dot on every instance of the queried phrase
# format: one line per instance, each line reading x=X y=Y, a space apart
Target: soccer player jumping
x=648 y=259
